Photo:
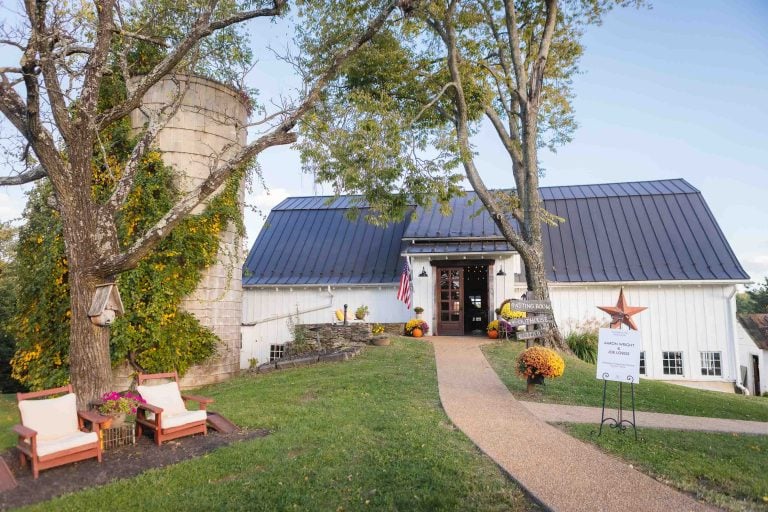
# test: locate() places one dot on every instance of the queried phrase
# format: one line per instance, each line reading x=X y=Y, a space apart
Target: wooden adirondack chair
x=166 y=413
x=52 y=430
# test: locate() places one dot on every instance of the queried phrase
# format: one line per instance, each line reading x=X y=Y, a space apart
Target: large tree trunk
x=90 y=366
x=89 y=234
x=538 y=285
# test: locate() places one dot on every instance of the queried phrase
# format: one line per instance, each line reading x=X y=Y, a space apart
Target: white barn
x=657 y=239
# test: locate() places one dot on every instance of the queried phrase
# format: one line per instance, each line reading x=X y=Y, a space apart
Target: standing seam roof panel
x=712 y=233
x=613 y=232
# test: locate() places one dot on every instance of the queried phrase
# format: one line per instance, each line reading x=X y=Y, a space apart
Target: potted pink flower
x=119 y=406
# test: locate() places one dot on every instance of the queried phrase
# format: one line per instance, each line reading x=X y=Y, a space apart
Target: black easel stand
x=619 y=422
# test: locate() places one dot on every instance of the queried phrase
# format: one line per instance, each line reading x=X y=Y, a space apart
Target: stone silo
x=211 y=119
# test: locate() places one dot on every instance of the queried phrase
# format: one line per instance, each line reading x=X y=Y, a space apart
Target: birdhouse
x=106 y=305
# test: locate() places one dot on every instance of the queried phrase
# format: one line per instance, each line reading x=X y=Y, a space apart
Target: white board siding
x=680 y=318
x=747 y=349
x=690 y=318
x=501 y=287
x=271 y=306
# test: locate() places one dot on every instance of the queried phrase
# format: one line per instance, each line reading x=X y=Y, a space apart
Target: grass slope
x=725 y=469
x=364 y=435
x=578 y=386
x=9 y=416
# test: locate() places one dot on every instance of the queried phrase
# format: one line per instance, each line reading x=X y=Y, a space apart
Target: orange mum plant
x=540 y=361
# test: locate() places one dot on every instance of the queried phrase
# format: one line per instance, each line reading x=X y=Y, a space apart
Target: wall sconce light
x=423 y=272
x=501 y=272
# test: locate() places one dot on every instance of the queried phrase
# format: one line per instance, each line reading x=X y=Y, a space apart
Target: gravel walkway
x=559 y=471
x=554 y=413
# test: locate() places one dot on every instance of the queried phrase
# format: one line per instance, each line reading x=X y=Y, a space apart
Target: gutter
x=667 y=282
x=297 y=313
x=732 y=319
x=282 y=286
x=454 y=255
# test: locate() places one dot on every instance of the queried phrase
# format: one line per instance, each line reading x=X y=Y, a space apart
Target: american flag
x=405 y=292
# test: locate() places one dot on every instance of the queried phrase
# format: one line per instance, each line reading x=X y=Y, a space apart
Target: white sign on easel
x=618 y=355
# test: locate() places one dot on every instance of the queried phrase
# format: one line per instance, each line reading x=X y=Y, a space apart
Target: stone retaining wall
x=326 y=337
x=395 y=329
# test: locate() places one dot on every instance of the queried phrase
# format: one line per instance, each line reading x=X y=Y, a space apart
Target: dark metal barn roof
x=299 y=245
x=644 y=231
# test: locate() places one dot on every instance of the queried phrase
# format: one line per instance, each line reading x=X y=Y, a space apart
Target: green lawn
x=578 y=386
x=9 y=416
x=725 y=469
x=365 y=434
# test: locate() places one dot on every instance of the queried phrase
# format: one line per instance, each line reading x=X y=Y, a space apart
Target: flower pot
x=532 y=381
x=493 y=334
x=381 y=341
x=417 y=333
x=116 y=420
x=420 y=316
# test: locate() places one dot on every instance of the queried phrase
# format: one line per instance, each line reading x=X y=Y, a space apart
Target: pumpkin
x=417 y=333
x=493 y=334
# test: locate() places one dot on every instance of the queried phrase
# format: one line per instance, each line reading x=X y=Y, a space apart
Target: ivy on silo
x=155 y=334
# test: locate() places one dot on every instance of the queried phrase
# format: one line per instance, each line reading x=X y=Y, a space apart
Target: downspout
x=297 y=313
x=732 y=319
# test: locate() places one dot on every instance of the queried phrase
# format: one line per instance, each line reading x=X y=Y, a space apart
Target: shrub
x=377 y=329
x=536 y=361
x=583 y=345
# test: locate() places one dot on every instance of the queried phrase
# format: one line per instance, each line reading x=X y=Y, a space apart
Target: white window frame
x=276 y=351
x=715 y=364
x=668 y=357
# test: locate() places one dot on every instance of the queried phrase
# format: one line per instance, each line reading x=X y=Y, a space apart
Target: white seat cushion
x=51 y=418
x=176 y=420
x=166 y=396
x=65 y=443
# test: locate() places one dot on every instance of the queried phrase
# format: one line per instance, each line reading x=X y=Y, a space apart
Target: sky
x=676 y=91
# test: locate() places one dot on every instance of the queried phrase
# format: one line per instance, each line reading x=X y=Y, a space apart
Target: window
x=276 y=352
x=710 y=363
x=642 y=362
x=672 y=363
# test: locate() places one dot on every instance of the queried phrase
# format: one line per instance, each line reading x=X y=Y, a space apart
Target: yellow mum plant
x=508 y=313
x=493 y=325
x=416 y=323
x=540 y=361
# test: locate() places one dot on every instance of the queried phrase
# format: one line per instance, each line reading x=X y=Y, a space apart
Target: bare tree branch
x=202 y=28
x=94 y=68
x=28 y=176
x=510 y=144
x=434 y=100
x=521 y=75
x=140 y=37
x=279 y=135
x=537 y=74
x=157 y=121
x=10 y=42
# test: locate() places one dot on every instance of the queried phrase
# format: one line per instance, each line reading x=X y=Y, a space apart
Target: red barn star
x=621 y=313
